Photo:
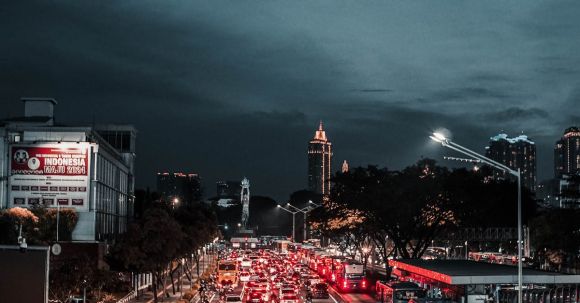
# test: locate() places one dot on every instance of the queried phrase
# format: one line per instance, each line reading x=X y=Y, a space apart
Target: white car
x=245 y=276
x=246 y=263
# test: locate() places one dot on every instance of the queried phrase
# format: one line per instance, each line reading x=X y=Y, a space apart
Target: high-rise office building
x=516 y=153
x=319 y=162
x=179 y=188
x=567 y=169
x=567 y=153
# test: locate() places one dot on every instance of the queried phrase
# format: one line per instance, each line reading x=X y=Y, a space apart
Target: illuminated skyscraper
x=186 y=188
x=567 y=169
x=319 y=162
x=567 y=153
x=518 y=152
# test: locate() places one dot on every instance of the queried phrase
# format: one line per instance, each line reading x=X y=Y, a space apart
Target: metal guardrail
x=128 y=297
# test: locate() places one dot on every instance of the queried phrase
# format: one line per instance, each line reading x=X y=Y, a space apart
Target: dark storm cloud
x=229 y=89
x=374 y=90
x=516 y=113
x=468 y=93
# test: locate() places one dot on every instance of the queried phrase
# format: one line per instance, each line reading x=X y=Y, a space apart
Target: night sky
x=236 y=88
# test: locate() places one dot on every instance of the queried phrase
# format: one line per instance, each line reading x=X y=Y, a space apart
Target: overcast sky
x=236 y=88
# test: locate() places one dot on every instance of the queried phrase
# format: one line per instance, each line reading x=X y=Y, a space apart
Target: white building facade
x=68 y=167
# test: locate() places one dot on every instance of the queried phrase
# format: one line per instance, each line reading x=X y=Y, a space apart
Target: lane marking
x=333 y=299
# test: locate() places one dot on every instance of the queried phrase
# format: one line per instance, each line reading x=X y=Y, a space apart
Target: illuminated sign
x=50 y=174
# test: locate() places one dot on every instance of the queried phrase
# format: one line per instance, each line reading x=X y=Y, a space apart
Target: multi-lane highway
x=267 y=277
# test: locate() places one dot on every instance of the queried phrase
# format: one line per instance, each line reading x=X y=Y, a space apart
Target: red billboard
x=50 y=174
x=49 y=161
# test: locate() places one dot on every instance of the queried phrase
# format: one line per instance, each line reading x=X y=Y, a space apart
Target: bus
x=399 y=292
x=350 y=276
x=227 y=272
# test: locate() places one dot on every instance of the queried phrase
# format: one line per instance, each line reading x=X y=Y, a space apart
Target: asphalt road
x=335 y=297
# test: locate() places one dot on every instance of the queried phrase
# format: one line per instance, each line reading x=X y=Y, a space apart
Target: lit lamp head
x=438 y=137
x=279 y=205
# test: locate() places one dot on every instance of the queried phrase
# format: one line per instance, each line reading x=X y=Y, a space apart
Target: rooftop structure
x=465 y=272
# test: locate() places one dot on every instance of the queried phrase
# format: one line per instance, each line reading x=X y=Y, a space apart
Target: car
x=312 y=279
x=295 y=276
x=289 y=298
x=277 y=281
x=265 y=295
x=320 y=291
x=286 y=291
x=232 y=298
x=245 y=276
x=246 y=262
x=255 y=297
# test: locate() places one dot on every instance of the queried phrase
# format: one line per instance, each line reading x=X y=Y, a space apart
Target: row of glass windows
x=112 y=199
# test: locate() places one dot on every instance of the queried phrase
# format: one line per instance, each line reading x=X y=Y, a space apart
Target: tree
x=150 y=245
x=46 y=226
x=407 y=207
x=199 y=225
x=38 y=224
x=69 y=278
x=15 y=220
x=555 y=234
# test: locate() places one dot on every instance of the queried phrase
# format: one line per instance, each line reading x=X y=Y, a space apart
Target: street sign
x=56 y=249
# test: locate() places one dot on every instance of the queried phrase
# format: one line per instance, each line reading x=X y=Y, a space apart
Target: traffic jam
x=295 y=275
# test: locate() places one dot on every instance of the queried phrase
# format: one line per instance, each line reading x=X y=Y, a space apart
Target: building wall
x=567 y=153
x=319 y=166
x=109 y=199
x=185 y=187
x=516 y=153
x=113 y=198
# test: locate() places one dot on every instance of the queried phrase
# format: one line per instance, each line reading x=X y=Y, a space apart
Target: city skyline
x=230 y=97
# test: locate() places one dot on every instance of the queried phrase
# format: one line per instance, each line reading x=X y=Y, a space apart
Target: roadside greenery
x=164 y=242
x=401 y=212
x=38 y=225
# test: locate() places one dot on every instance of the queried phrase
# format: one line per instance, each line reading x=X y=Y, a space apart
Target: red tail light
x=324 y=271
x=364 y=283
x=344 y=284
x=333 y=278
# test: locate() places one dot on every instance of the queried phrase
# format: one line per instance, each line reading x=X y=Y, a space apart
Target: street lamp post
x=293 y=220
x=477 y=158
x=305 y=211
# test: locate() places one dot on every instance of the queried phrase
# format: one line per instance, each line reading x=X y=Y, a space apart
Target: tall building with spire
x=345 y=167
x=319 y=162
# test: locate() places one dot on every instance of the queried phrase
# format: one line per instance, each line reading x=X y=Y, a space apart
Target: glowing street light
x=305 y=211
x=477 y=158
x=293 y=219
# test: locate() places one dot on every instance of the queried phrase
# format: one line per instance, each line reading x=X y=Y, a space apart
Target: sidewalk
x=147 y=296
